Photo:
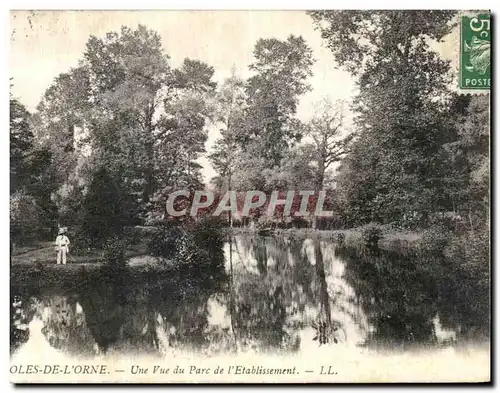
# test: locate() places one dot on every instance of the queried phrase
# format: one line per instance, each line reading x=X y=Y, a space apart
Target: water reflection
x=283 y=287
x=265 y=294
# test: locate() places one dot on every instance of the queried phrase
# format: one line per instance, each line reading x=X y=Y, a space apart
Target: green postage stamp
x=475 y=52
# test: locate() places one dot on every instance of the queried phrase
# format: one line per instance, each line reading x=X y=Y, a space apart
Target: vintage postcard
x=250 y=196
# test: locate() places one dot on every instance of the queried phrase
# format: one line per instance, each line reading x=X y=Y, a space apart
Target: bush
x=471 y=252
x=449 y=221
x=299 y=223
x=195 y=243
x=371 y=234
x=113 y=252
x=139 y=234
x=25 y=218
x=434 y=240
x=80 y=244
x=164 y=241
x=340 y=239
x=330 y=223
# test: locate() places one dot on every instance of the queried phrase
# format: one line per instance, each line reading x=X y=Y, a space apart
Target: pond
x=266 y=294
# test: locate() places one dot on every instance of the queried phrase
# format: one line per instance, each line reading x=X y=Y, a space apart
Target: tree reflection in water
x=407 y=299
x=254 y=293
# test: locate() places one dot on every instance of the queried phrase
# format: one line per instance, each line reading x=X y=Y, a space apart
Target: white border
x=182 y=4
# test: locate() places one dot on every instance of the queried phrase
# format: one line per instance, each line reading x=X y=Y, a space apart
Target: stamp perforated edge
x=457 y=44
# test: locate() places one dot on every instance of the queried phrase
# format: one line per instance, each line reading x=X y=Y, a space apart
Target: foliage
x=435 y=239
x=21 y=141
x=163 y=241
x=126 y=109
x=230 y=105
x=102 y=212
x=190 y=244
x=81 y=245
x=328 y=140
x=25 y=218
x=113 y=252
x=269 y=126
x=396 y=170
x=30 y=164
x=357 y=39
x=340 y=239
x=371 y=234
x=470 y=163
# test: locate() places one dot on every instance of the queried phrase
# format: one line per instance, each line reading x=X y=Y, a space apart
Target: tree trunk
x=149 y=171
x=231 y=292
x=320 y=179
x=70 y=146
x=323 y=288
x=148 y=183
x=230 y=212
x=470 y=222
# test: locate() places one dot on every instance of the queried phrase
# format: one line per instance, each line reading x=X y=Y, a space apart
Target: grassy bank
x=146 y=274
x=391 y=239
x=47 y=256
x=44 y=253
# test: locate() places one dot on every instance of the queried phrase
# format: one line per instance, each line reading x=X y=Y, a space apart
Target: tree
x=360 y=39
x=281 y=69
x=152 y=105
x=297 y=170
x=181 y=129
x=397 y=165
x=470 y=161
x=328 y=143
x=30 y=164
x=25 y=218
x=230 y=101
x=59 y=126
x=21 y=141
x=132 y=113
x=129 y=72
x=60 y=118
x=102 y=215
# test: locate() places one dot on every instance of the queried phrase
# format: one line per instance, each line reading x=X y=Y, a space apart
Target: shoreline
x=391 y=240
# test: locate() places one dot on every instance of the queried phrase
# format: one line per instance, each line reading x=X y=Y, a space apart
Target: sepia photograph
x=250 y=196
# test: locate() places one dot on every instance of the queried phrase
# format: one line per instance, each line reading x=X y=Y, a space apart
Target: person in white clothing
x=62 y=247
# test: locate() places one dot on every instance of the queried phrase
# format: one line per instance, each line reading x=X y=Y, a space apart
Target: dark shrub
x=449 y=221
x=164 y=241
x=299 y=222
x=340 y=239
x=434 y=240
x=196 y=243
x=80 y=244
x=330 y=223
x=371 y=234
x=113 y=252
x=103 y=213
x=25 y=218
x=139 y=234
